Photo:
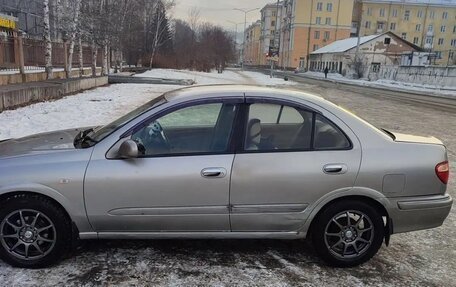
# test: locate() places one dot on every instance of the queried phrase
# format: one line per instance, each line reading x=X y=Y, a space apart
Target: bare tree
x=357 y=66
x=161 y=34
x=47 y=40
x=73 y=11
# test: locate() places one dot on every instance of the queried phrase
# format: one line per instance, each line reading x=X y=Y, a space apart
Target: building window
x=428 y=40
x=440 y=42
x=380 y=25
x=274 y=13
x=318 y=20
x=368 y=25
x=431 y=14
x=376 y=67
x=329 y=7
x=317 y=35
x=438 y=54
x=431 y=28
x=418 y=27
x=404 y=36
x=415 y=40
x=319 y=6
x=382 y=12
x=445 y=15
x=453 y=43
x=273 y=23
x=394 y=13
x=315 y=47
x=369 y=11
x=328 y=20
x=327 y=35
x=407 y=15
x=393 y=26
x=443 y=28
x=454 y=29
x=419 y=14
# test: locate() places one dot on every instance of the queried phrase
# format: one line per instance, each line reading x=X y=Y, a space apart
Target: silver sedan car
x=221 y=162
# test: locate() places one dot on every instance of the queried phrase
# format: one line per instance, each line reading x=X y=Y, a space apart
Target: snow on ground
x=95 y=107
x=230 y=76
x=103 y=105
x=402 y=86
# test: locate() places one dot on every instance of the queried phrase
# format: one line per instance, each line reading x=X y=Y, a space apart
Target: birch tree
x=161 y=35
x=73 y=27
x=47 y=40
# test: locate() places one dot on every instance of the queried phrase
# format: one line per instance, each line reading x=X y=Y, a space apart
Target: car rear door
x=178 y=184
x=289 y=158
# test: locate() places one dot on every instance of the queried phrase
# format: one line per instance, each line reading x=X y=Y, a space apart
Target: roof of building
x=418 y=2
x=344 y=45
x=350 y=43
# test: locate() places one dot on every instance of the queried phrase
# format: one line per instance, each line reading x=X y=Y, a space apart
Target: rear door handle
x=335 y=168
x=213 y=172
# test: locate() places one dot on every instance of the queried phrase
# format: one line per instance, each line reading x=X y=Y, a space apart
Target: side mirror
x=128 y=149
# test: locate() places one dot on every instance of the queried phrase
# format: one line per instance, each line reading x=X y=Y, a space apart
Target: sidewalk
x=385 y=84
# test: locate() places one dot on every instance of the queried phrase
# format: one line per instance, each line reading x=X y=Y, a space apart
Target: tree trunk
x=47 y=40
x=80 y=56
x=94 y=59
x=104 y=64
x=73 y=29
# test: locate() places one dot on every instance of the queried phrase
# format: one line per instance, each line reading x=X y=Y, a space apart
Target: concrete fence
x=438 y=76
x=14 y=96
x=33 y=76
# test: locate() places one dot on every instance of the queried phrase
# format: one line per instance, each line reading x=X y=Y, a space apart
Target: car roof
x=236 y=91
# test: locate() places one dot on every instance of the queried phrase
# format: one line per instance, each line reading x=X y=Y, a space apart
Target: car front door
x=290 y=158
x=180 y=181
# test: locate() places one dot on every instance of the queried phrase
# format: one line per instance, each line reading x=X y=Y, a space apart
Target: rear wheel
x=34 y=231
x=348 y=233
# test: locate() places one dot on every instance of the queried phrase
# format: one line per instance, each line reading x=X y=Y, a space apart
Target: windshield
x=100 y=133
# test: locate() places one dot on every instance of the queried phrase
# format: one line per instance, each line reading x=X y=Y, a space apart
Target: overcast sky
x=221 y=11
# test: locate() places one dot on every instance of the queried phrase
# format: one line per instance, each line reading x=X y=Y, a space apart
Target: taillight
x=443 y=171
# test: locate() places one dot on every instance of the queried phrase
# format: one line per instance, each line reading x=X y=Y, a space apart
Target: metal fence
x=34 y=51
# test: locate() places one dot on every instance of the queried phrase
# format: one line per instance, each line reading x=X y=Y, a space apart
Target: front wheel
x=348 y=233
x=34 y=231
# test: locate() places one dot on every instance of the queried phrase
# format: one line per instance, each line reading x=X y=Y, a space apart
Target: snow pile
x=230 y=76
x=381 y=83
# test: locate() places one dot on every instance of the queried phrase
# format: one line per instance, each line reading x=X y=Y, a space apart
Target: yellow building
x=252 y=44
x=309 y=25
x=428 y=24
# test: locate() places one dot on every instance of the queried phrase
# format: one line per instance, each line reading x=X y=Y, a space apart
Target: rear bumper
x=417 y=213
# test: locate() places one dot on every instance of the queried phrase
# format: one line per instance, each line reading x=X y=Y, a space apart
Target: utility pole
x=236 y=33
x=245 y=27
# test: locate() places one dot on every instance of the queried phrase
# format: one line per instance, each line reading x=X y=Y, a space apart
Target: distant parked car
x=221 y=162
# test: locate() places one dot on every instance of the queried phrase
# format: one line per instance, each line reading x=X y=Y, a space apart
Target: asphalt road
x=424 y=258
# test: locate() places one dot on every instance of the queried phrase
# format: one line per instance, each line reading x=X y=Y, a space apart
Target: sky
x=221 y=11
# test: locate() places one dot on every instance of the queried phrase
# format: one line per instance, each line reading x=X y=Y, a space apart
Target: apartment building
x=308 y=25
x=430 y=25
x=270 y=28
x=252 y=53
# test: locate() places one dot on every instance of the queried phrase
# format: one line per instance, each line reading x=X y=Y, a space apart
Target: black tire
x=328 y=246
x=51 y=214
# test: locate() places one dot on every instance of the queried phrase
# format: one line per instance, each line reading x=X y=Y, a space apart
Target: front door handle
x=335 y=168
x=213 y=172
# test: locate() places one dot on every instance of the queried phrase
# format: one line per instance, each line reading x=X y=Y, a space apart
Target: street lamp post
x=236 y=32
x=245 y=27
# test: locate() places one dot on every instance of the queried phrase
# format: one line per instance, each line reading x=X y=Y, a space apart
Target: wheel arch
x=372 y=197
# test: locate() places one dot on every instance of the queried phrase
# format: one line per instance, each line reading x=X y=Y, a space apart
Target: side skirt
x=192 y=235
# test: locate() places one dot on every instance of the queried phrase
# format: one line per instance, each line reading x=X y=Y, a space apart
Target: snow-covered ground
x=227 y=77
x=103 y=105
x=402 y=86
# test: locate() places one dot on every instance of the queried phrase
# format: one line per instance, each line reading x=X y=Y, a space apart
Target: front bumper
x=418 y=213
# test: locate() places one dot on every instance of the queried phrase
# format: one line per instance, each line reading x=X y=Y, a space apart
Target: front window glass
x=192 y=130
x=102 y=132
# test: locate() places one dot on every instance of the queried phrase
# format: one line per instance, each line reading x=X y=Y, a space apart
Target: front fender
x=77 y=216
